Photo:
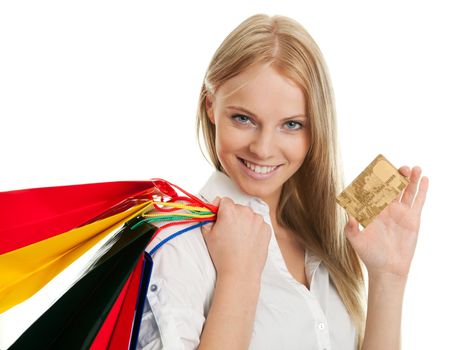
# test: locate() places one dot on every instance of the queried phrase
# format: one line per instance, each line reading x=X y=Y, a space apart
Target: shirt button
x=153 y=287
x=321 y=326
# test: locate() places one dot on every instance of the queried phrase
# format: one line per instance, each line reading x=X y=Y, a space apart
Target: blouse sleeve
x=179 y=294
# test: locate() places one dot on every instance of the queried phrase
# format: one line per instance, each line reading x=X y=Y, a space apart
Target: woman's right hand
x=238 y=240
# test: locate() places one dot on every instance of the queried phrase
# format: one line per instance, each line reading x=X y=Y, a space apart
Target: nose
x=262 y=144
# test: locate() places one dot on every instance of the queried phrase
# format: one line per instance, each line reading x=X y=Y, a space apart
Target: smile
x=258 y=169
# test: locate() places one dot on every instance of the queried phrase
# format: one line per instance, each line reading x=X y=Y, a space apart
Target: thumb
x=351 y=229
x=216 y=201
x=205 y=229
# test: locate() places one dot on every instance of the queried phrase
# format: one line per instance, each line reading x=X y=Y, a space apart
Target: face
x=261 y=130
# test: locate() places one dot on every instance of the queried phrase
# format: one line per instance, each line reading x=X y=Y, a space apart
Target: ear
x=209 y=109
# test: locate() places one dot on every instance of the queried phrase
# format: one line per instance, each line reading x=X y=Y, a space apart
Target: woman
x=281 y=268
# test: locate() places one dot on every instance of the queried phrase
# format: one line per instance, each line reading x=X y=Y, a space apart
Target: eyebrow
x=255 y=116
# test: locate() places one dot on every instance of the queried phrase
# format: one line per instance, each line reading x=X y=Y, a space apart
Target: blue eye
x=242 y=119
x=294 y=125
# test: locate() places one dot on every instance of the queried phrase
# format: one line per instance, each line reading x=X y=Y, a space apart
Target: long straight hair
x=307 y=205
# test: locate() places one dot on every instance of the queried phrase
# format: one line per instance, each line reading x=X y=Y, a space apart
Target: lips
x=257 y=168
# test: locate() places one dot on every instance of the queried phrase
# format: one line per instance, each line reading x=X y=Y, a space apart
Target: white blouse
x=288 y=315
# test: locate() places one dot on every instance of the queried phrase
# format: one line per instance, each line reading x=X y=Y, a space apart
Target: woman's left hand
x=388 y=243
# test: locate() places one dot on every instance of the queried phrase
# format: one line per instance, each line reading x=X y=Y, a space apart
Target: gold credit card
x=372 y=191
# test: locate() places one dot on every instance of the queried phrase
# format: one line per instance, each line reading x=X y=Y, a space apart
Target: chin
x=261 y=190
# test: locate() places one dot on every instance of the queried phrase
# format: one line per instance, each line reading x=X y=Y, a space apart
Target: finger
x=205 y=229
x=226 y=201
x=405 y=171
x=216 y=201
x=421 y=196
x=214 y=206
x=410 y=190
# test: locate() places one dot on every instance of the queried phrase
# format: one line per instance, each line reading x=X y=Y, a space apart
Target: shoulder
x=185 y=252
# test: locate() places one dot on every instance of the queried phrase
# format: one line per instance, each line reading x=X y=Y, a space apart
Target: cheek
x=298 y=148
x=222 y=146
x=229 y=139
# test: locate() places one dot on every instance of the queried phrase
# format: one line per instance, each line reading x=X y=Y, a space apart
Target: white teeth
x=259 y=169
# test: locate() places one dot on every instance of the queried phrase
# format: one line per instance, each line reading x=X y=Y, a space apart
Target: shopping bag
x=69 y=271
x=24 y=271
x=31 y=215
x=75 y=319
x=103 y=337
x=120 y=329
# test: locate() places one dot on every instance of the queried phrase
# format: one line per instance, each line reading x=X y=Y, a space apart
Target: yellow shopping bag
x=26 y=270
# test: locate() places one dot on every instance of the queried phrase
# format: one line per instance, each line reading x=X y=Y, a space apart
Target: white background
x=94 y=91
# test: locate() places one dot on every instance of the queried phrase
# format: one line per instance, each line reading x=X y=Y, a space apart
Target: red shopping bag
x=31 y=215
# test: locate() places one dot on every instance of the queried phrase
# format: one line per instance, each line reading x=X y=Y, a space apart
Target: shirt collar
x=220 y=185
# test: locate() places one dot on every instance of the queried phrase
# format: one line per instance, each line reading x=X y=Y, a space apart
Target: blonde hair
x=307 y=205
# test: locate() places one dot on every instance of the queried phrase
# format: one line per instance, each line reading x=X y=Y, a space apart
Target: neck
x=280 y=231
x=272 y=203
